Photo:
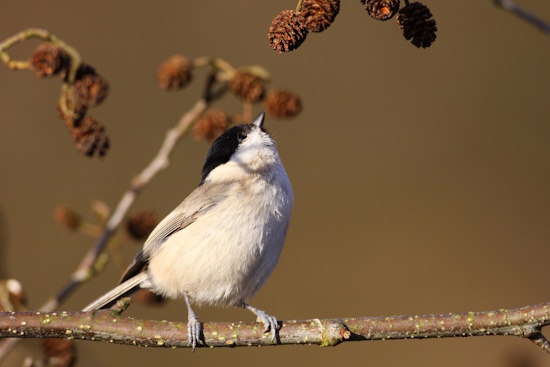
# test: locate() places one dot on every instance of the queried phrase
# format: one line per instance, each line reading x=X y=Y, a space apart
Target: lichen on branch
x=109 y=326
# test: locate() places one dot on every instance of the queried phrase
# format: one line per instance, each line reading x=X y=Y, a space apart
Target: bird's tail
x=124 y=289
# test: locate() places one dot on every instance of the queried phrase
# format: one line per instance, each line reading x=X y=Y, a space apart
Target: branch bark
x=110 y=326
x=525 y=15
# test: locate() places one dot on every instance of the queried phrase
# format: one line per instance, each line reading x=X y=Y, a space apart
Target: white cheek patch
x=230 y=171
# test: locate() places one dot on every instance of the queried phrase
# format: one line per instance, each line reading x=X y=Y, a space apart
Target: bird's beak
x=259 y=121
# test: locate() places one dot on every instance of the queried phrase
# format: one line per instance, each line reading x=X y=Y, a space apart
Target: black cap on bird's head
x=226 y=144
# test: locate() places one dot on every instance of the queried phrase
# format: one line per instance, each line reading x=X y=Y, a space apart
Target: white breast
x=224 y=257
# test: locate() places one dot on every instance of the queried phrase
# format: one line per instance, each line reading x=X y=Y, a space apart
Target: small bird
x=221 y=244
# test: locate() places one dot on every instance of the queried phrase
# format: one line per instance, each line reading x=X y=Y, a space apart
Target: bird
x=221 y=244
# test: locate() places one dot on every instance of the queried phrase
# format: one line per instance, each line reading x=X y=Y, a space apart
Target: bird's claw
x=194 y=331
x=270 y=323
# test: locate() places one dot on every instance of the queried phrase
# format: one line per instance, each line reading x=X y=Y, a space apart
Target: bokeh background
x=421 y=176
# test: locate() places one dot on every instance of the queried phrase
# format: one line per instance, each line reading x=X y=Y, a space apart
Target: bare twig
x=109 y=326
x=535 y=335
x=525 y=15
x=47 y=37
x=44 y=36
x=299 y=6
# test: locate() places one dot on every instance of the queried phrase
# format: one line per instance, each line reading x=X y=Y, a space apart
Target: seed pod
x=282 y=103
x=287 y=32
x=89 y=137
x=247 y=86
x=381 y=9
x=319 y=14
x=90 y=89
x=414 y=20
x=212 y=124
x=67 y=217
x=48 y=59
x=174 y=73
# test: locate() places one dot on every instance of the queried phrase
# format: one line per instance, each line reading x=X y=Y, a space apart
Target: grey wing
x=201 y=201
x=125 y=289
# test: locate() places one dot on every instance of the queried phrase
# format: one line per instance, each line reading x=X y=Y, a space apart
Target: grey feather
x=117 y=292
x=197 y=204
x=190 y=210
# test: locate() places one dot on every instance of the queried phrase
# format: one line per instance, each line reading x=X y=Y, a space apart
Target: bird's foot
x=270 y=322
x=194 y=327
x=194 y=330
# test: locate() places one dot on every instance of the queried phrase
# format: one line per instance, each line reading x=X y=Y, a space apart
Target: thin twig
x=109 y=326
x=299 y=6
x=538 y=339
x=525 y=15
x=46 y=36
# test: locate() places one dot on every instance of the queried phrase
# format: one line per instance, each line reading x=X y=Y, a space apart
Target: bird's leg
x=270 y=322
x=194 y=328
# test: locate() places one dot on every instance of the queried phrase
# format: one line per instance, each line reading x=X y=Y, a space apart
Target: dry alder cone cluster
x=174 y=73
x=290 y=28
x=211 y=125
x=87 y=90
x=381 y=9
x=248 y=84
x=282 y=103
x=319 y=15
x=48 y=60
x=67 y=217
x=417 y=25
x=288 y=31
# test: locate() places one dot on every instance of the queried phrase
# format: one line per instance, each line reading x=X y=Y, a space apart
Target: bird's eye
x=241 y=137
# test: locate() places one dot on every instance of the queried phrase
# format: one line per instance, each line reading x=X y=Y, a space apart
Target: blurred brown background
x=421 y=176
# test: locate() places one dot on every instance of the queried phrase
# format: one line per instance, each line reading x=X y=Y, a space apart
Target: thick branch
x=109 y=326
